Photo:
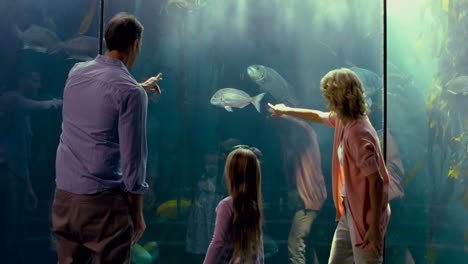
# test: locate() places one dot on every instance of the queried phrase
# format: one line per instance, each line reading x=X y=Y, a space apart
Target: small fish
x=458 y=85
x=189 y=5
x=230 y=97
x=445 y=5
x=255 y=150
x=83 y=48
x=270 y=246
x=330 y=49
x=37 y=38
x=409 y=257
x=228 y=144
x=431 y=255
x=178 y=3
x=454 y=171
x=168 y=210
x=84 y=27
x=140 y=255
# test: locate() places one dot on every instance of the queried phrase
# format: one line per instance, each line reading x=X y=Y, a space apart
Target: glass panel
x=428 y=124
x=200 y=46
x=41 y=41
x=204 y=46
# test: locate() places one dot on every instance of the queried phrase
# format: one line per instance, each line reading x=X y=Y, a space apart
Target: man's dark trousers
x=92 y=228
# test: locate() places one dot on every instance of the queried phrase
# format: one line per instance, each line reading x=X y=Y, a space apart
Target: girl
x=238 y=232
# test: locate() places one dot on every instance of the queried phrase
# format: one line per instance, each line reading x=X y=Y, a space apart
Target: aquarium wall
x=260 y=51
x=426 y=81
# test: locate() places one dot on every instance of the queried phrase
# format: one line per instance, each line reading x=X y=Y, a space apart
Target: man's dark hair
x=122 y=31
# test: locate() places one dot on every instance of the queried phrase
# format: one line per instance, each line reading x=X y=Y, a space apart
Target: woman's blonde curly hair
x=344 y=94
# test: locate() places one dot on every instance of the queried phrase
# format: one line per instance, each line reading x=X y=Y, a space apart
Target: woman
x=238 y=232
x=359 y=176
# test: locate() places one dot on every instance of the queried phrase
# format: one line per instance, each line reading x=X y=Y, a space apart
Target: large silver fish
x=230 y=97
x=37 y=38
x=273 y=83
x=372 y=84
x=83 y=48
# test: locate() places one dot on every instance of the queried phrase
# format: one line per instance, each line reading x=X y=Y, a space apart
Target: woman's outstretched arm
x=306 y=114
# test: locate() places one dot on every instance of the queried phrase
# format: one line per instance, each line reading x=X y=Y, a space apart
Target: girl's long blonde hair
x=344 y=94
x=243 y=177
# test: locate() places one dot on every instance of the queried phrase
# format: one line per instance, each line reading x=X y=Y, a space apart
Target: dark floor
x=171 y=236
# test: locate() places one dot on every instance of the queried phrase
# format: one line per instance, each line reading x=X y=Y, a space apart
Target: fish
x=272 y=82
x=255 y=150
x=178 y=3
x=140 y=255
x=229 y=144
x=372 y=83
x=83 y=48
x=84 y=27
x=189 y=5
x=168 y=210
x=37 y=38
x=458 y=85
x=230 y=97
x=445 y=5
x=49 y=23
x=331 y=50
x=431 y=255
x=409 y=257
x=270 y=247
x=144 y=254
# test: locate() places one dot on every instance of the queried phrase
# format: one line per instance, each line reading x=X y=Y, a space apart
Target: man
x=15 y=156
x=101 y=159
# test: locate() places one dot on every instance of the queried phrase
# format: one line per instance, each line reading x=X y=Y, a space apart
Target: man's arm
x=132 y=140
x=10 y=102
x=133 y=154
x=136 y=210
x=28 y=105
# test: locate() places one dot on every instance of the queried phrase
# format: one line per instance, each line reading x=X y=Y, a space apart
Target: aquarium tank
x=411 y=57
